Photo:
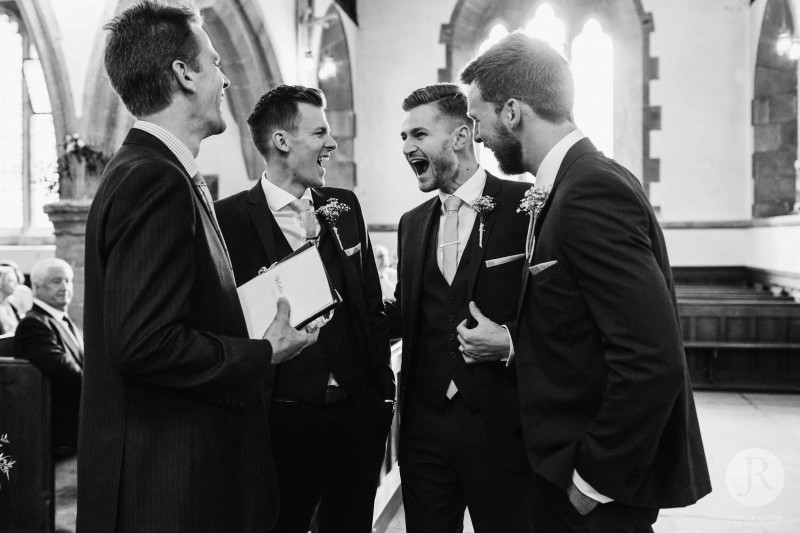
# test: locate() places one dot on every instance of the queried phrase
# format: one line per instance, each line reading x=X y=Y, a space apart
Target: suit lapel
x=319 y=200
x=491 y=188
x=263 y=221
x=66 y=337
x=419 y=247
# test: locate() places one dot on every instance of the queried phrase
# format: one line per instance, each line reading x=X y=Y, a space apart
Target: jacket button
x=451 y=318
x=451 y=300
x=452 y=336
x=453 y=355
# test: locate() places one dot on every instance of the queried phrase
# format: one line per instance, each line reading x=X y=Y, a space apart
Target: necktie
x=71 y=326
x=450 y=238
x=307 y=217
x=201 y=185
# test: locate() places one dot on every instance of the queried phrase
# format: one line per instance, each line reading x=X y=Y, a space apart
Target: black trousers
x=328 y=455
x=553 y=513
x=446 y=465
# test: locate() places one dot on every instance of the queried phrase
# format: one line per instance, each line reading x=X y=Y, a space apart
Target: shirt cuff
x=510 y=357
x=588 y=490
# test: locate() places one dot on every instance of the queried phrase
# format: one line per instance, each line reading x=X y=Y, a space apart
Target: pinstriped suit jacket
x=173 y=432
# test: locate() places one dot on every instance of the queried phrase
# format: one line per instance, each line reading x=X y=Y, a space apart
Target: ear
x=462 y=136
x=184 y=76
x=279 y=141
x=511 y=113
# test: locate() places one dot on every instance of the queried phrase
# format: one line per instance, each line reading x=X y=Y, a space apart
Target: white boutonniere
x=6 y=461
x=534 y=200
x=331 y=211
x=482 y=205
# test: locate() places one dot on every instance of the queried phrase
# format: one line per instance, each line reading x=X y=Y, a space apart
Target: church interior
x=699 y=99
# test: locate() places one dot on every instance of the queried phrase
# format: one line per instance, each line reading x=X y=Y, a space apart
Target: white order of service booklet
x=300 y=277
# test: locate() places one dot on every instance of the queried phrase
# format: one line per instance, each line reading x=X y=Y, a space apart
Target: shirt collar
x=469 y=190
x=277 y=198
x=55 y=313
x=174 y=144
x=548 y=170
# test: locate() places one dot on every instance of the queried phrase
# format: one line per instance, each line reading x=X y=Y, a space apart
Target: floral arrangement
x=482 y=205
x=75 y=146
x=6 y=461
x=534 y=200
x=331 y=211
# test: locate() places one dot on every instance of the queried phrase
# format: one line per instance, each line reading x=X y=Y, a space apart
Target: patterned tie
x=201 y=185
x=307 y=216
x=450 y=239
x=71 y=326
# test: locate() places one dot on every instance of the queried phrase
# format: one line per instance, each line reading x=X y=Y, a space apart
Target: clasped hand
x=487 y=341
x=287 y=342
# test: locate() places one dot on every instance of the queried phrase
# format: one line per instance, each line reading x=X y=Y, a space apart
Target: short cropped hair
x=39 y=271
x=448 y=97
x=141 y=45
x=278 y=110
x=527 y=69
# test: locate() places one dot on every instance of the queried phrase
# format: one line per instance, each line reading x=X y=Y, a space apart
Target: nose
x=409 y=147
x=331 y=144
x=476 y=136
x=225 y=81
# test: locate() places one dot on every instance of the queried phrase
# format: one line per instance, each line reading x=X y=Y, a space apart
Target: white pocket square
x=503 y=260
x=354 y=249
x=538 y=269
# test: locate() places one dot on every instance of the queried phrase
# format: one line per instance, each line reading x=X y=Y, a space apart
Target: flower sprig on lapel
x=534 y=200
x=482 y=205
x=6 y=461
x=331 y=211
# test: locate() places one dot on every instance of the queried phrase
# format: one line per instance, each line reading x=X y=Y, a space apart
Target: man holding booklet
x=332 y=405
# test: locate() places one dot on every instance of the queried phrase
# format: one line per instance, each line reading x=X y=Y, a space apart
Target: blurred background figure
x=387 y=274
x=22 y=297
x=9 y=313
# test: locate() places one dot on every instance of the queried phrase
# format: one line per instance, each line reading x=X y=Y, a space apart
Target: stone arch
x=41 y=24
x=774 y=117
x=338 y=91
x=239 y=34
x=629 y=26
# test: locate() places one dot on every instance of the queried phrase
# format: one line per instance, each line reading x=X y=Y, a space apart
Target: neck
x=282 y=176
x=539 y=139
x=174 y=120
x=467 y=166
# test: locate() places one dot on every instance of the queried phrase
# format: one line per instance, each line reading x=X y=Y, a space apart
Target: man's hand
x=580 y=501
x=286 y=341
x=485 y=342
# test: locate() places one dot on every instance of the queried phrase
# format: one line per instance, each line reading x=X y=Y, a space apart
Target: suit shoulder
x=232 y=200
x=420 y=210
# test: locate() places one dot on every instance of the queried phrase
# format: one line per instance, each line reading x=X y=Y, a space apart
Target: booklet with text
x=301 y=278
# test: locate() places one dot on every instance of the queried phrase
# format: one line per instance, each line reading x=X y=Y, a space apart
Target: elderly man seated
x=50 y=340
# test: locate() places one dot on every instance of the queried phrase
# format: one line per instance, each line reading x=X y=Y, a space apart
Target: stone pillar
x=69 y=220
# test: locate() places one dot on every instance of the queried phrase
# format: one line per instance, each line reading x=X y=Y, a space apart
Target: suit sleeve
x=373 y=299
x=393 y=309
x=39 y=344
x=605 y=232
x=151 y=250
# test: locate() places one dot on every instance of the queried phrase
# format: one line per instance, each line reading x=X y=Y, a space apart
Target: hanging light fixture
x=327 y=68
x=787 y=45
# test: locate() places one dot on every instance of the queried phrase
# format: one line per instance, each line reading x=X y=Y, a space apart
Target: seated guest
x=386 y=273
x=50 y=340
x=9 y=314
x=22 y=299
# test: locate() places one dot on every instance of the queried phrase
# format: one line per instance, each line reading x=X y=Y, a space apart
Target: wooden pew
x=27 y=499
x=741 y=343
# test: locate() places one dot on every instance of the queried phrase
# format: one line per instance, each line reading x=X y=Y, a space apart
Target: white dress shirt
x=544 y=177
x=174 y=144
x=289 y=220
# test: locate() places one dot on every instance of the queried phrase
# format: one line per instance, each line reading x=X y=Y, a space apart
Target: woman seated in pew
x=9 y=314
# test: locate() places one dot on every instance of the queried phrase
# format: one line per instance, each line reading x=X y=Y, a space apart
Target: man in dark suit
x=173 y=433
x=51 y=341
x=607 y=408
x=460 y=438
x=332 y=406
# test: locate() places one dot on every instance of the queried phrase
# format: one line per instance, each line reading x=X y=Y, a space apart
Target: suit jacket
x=45 y=342
x=603 y=380
x=173 y=432
x=494 y=289
x=249 y=228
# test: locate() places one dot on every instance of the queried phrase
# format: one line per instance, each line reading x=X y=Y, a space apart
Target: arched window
x=27 y=137
x=591 y=55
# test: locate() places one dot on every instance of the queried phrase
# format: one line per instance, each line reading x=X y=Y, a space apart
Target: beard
x=442 y=168
x=508 y=152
